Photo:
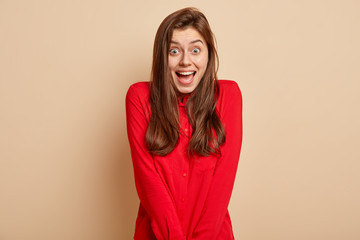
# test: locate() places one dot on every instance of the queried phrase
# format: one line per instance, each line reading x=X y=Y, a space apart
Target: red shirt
x=183 y=198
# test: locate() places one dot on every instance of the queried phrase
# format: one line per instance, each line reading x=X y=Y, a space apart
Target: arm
x=219 y=194
x=152 y=192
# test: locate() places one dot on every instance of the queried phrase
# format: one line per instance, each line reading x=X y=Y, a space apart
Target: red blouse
x=183 y=198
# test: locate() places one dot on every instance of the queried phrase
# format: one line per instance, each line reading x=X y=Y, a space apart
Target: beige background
x=65 y=66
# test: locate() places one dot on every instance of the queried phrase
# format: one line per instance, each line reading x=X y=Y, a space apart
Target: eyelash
x=198 y=50
x=195 y=50
x=172 y=51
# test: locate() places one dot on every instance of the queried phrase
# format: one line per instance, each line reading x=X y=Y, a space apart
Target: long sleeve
x=153 y=193
x=218 y=197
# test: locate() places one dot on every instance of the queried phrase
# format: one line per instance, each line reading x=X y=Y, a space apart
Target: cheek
x=201 y=66
x=202 y=62
x=172 y=63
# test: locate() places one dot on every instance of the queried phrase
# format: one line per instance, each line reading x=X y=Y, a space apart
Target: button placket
x=183 y=174
x=184 y=182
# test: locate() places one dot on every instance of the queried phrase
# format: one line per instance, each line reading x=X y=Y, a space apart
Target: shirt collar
x=183 y=102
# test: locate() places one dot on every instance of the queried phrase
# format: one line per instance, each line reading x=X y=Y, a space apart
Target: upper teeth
x=186 y=73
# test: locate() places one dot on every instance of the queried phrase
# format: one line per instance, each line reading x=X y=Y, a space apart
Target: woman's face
x=188 y=58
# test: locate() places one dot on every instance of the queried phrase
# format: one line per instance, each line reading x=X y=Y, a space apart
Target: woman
x=185 y=134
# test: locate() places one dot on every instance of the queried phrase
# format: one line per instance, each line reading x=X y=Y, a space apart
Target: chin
x=185 y=90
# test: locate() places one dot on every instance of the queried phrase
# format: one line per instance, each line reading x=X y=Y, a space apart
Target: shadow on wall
x=129 y=201
x=119 y=198
x=128 y=198
x=119 y=204
x=124 y=181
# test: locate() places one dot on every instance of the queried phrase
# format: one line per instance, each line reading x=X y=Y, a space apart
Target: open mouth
x=186 y=77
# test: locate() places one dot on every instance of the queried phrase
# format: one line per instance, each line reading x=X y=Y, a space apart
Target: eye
x=174 y=51
x=196 y=50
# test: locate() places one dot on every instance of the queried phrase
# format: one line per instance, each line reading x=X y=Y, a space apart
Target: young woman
x=185 y=134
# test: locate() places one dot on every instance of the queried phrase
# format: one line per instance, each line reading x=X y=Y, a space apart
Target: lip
x=186 y=81
x=185 y=70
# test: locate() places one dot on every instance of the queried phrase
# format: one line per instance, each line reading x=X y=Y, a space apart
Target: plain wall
x=65 y=67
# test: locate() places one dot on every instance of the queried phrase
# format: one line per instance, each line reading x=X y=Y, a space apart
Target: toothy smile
x=186 y=77
x=185 y=73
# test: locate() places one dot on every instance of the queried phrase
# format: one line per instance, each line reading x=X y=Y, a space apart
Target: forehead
x=186 y=35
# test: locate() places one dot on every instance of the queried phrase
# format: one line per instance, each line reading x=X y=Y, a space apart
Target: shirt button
x=182 y=199
x=186 y=129
x=184 y=174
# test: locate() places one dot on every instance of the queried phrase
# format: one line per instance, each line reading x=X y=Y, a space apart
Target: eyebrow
x=195 y=41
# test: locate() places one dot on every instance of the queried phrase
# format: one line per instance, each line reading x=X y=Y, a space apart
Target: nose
x=185 y=59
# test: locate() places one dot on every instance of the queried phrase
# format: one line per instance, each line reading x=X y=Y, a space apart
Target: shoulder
x=141 y=87
x=139 y=90
x=227 y=83
x=229 y=102
x=137 y=99
x=229 y=89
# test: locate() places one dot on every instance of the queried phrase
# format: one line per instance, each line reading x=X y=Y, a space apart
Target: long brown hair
x=164 y=128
